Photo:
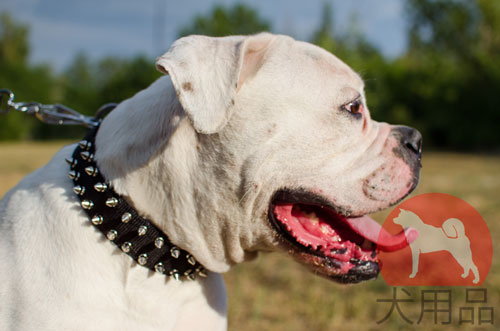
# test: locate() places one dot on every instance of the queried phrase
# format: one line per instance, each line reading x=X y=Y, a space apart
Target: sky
x=62 y=28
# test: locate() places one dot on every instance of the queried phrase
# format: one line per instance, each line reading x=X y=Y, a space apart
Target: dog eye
x=354 y=107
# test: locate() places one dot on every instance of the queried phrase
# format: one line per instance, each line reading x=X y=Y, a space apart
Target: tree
x=323 y=36
x=236 y=20
x=14 y=46
x=453 y=70
x=27 y=82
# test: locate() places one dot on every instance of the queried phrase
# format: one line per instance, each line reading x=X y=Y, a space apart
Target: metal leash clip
x=52 y=114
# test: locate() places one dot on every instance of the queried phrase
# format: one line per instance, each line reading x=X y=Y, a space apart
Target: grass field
x=275 y=293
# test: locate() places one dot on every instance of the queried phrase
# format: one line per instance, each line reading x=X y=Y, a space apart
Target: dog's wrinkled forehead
x=329 y=64
x=330 y=67
x=314 y=80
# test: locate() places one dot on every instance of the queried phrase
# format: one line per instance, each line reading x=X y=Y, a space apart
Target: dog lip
x=361 y=272
x=304 y=196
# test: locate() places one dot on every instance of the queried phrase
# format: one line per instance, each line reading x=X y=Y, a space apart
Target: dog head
x=273 y=148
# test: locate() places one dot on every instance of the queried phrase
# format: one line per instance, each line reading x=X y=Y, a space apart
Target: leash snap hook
x=6 y=100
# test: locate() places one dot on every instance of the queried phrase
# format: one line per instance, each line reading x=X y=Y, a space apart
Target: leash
x=52 y=114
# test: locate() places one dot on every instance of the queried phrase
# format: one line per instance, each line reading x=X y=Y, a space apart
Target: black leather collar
x=120 y=223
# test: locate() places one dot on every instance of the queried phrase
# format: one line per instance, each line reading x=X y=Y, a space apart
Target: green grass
x=275 y=293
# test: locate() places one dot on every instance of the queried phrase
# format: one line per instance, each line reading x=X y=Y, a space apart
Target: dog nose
x=411 y=139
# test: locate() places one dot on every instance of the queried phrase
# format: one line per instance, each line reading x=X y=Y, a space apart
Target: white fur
x=200 y=152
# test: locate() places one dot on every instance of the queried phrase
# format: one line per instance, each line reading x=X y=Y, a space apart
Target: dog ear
x=208 y=72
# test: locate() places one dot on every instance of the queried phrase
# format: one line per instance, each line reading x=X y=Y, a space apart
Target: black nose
x=411 y=139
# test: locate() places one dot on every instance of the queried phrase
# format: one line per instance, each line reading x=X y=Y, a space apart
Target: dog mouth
x=322 y=236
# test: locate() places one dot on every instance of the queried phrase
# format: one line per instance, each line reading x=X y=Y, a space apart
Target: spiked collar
x=112 y=215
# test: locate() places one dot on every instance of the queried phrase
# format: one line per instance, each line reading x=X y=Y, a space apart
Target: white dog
x=449 y=237
x=250 y=144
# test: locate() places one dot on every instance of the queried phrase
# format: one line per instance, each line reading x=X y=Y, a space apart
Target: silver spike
x=112 y=202
x=126 y=246
x=87 y=204
x=174 y=273
x=97 y=220
x=100 y=187
x=91 y=171
x=84 y=144
x=112 y=234
x=142 y=230
x=126 y=217
x=201 y=272
x=191 y=276
x=71 y=162
x=79 y=190
x=159 y=267
x=74 y=175
x=175 y=252
x=191 y=259
x=142 y=259
x=87 y=156
x=159 y=242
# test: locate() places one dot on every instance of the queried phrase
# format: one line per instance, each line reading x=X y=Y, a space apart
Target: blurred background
x=430 y=64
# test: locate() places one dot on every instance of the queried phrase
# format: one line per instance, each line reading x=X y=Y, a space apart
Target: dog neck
x=111 y=214
x=148 y=151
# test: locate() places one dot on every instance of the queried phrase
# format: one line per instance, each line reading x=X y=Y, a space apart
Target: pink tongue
x=371 y=230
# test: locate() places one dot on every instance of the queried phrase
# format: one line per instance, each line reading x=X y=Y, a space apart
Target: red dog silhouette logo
x=453 y=246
